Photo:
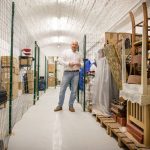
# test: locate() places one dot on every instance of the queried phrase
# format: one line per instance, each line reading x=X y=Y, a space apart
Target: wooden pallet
x=127 y=142
x=123 y=140
x=114 y=132
x=98 y=117
x=111 y=126
x=104 y=121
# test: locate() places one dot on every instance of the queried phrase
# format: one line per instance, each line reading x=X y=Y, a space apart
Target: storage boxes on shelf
x=5 y=75
x=6 y=86
x=15 y=70
x=52 y=73
x=30 y=75
x=51 y=68
x=25 y=61
x=5 y=61
x=20 y=85
x=51 y=81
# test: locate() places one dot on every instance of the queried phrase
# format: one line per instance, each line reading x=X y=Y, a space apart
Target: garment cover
x=102 y=89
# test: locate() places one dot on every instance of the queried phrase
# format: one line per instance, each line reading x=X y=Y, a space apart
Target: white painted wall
x=54 y=50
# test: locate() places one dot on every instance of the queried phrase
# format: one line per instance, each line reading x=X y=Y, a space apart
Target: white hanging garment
x=102 y=87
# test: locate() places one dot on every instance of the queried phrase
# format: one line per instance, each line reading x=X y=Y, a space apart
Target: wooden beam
x=129 y=110
x=140 y=113
x=147 y=125
x=137 y=111
x=133 y=32
x=144 y=50
x=139 y=23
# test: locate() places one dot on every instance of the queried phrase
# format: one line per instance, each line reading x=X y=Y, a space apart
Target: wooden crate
x=140 y=116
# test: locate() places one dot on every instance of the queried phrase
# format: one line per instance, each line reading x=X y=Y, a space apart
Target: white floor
x=43 y=129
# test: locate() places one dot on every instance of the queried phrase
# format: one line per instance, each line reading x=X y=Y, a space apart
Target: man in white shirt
x=71 y=60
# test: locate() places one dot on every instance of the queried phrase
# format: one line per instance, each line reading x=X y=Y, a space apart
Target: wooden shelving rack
x=138 y=95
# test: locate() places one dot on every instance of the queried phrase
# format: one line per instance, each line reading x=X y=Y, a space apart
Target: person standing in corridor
x=71 y=60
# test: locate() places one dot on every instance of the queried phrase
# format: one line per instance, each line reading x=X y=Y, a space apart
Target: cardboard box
x=51 y=68
x=5 y=61
x=5 y=77
x=6 y=86
x=20 y=85
x=25 y=61
x=7 y=70
x=30 y=85
x=31 y=91
x=51 y=81
x=30 y=77
x=15 y=70
x=30 y=71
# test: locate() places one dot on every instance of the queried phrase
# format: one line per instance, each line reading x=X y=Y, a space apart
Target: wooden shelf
x=138 y=95
x=139 y=43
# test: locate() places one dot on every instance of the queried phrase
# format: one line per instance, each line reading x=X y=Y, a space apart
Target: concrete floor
x=43 y=129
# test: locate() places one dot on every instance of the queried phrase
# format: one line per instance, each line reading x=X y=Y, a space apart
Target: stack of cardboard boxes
x=25 y=61
x=30 y=81
x=51 y=79
x=5 y=75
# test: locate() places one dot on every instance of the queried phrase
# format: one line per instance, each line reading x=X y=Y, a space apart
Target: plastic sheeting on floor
x=43 y=129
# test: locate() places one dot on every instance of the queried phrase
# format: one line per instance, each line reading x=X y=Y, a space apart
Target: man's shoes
x=58 y=108
x=71 y=109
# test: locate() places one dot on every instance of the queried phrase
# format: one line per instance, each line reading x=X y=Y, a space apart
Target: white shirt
x=69 y=56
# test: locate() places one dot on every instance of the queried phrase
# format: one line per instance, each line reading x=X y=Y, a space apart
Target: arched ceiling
x=57 y=22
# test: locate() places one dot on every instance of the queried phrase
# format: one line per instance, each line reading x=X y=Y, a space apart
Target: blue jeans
x=68 y=77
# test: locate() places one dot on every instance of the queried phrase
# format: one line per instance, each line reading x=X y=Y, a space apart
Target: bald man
x=71 y=60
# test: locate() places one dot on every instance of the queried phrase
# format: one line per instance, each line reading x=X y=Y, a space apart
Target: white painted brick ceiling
x=53 y=22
